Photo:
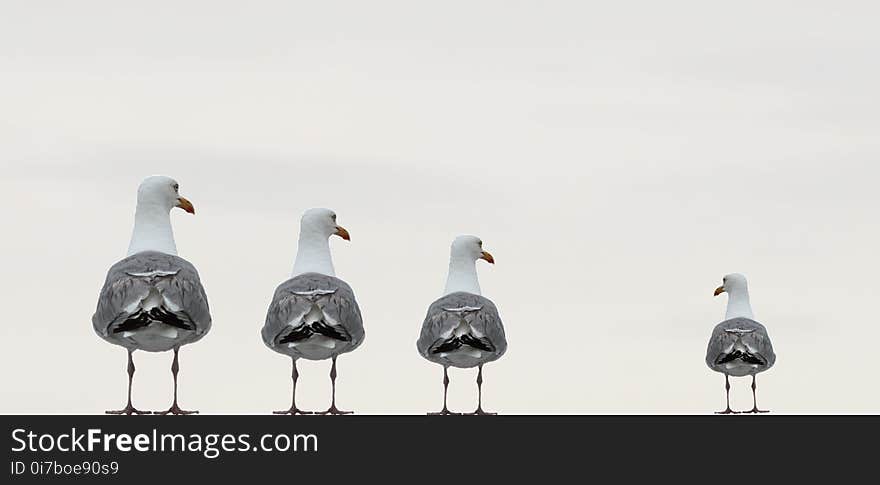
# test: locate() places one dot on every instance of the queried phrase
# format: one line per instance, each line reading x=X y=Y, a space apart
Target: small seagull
x=739 y=345
x=153 y=300
x=314 y=315
x=462 y=329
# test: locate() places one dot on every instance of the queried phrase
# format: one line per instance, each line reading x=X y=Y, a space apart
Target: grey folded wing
x=130 y=281
x=294 y=298
x=448 y=312
x=749 y=333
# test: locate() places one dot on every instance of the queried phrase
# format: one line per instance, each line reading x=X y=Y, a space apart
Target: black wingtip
x=304 y=331
x=746 y=357
x=169 y=318
x=337 y=333
x=455 y=343
x=482 y=343
x=446 y=346
x=297 y=334
x=143 y=319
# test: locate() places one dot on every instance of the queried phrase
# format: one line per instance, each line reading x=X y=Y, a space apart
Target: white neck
x=313 y=255
x=152 y=230
x=462 y=276
x=738 y=305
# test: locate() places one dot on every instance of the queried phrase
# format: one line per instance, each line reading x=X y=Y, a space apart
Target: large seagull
x=462 y=328
x=739 y=346
x=153 y=300
x=313 y=315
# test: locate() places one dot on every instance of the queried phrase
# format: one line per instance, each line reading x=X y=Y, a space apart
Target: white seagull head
x=470 y=248
x=322 y=222
x=733 y=283
x=162 y=193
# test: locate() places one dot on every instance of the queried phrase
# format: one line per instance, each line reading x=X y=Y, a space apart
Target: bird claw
x=293 y=411
x=174 y=410
x=480 y=412
x=755 y=411
x=444 y=412
x=128 y=411
x=333 y=411
x=728 y=411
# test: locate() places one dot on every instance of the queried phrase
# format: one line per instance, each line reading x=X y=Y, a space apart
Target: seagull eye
x=333 y=217
x=176 y=187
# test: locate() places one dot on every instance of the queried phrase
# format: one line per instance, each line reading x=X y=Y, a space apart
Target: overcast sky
x=617 y=160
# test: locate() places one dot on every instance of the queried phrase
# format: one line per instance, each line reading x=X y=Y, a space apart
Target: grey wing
x=718 y=343
x=440 y=322
x=130 y=281
x=749 y=332
x=185 y=290
x=759 y=342
x=437 y=323
x=343 y=308
x=118 y=300
x=488 y=322
x=286 y=307
x=294 y=298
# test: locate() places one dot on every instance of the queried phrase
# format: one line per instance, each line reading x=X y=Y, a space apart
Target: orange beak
x=185 y=205
x=719 y=290
x=488 y=257
x=343 y=233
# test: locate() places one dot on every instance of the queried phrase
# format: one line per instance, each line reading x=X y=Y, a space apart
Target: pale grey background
x=617 y=160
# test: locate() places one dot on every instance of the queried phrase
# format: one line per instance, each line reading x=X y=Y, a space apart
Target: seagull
x=314 y=314
x=153 y=300
x=739 y=345
x=462 y=328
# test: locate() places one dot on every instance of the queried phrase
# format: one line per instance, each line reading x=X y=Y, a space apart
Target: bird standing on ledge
x=314 y=315
x=153 y=300
x=462 y=328
x=739 y=345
